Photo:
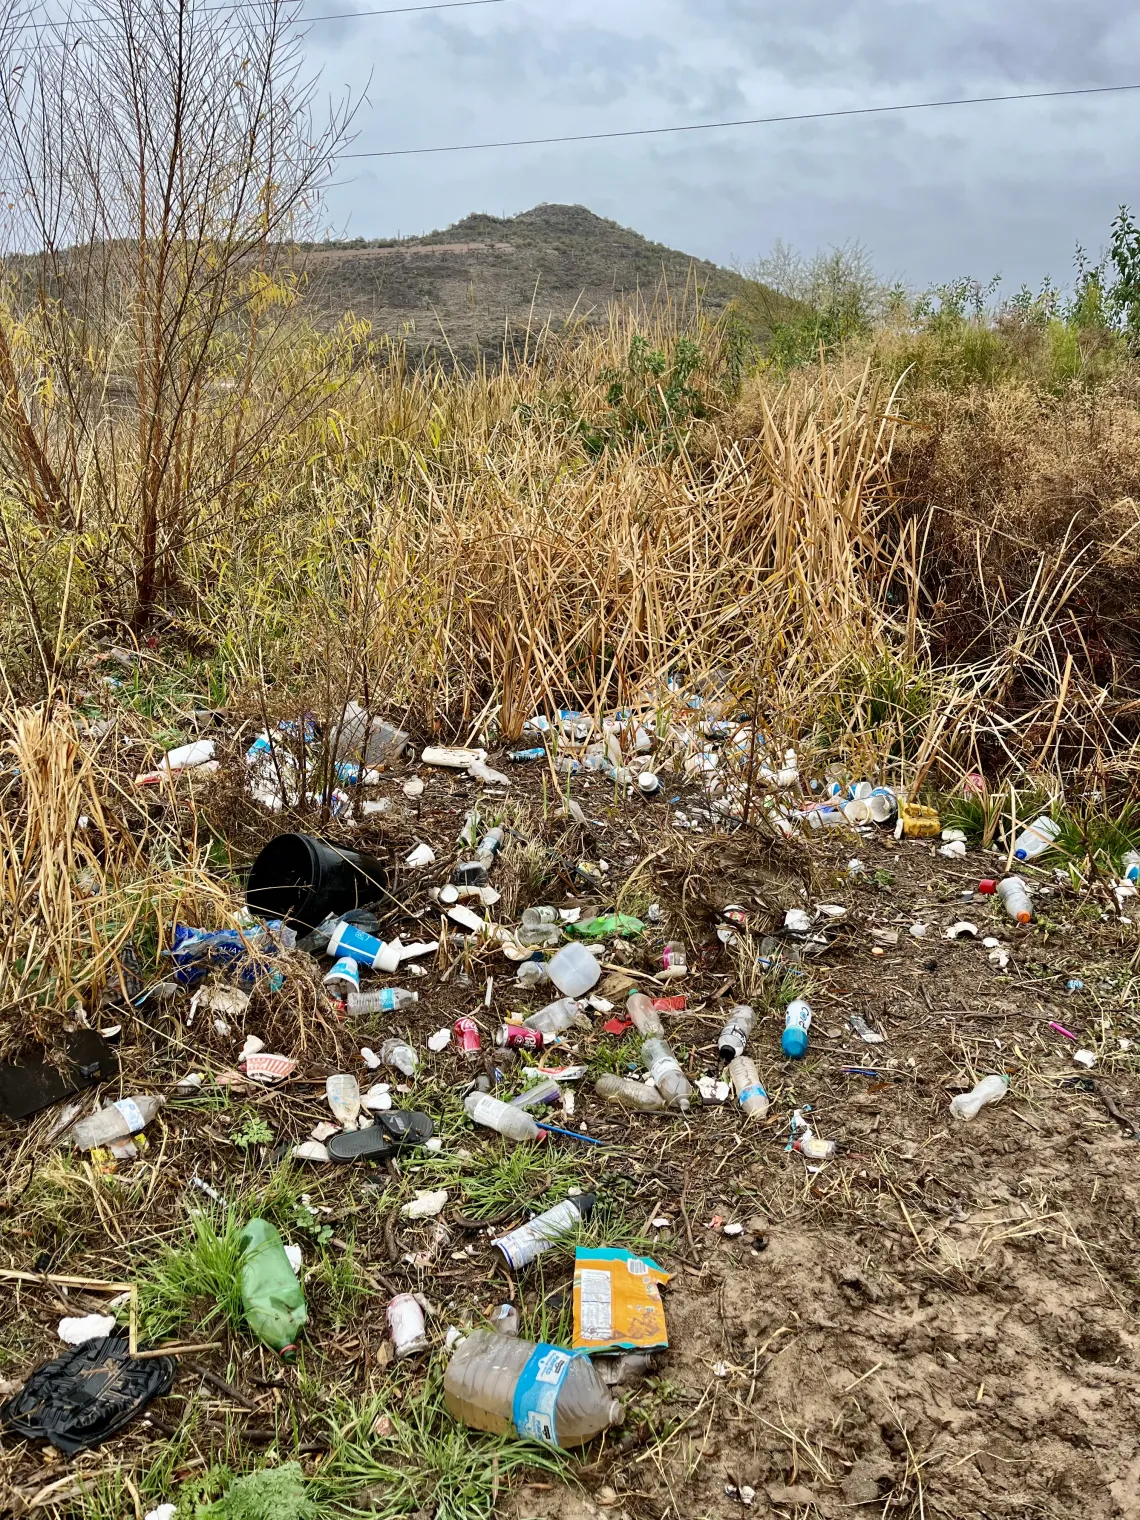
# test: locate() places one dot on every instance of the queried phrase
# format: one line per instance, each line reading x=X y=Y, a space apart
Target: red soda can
x=467 y=1033
x=519 y=1037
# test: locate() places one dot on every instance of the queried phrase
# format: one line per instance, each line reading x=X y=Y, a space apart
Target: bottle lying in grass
x=271 y=1295
x=548 y=1394
x=1036 y=838
x=530 y=1240
x=625 y=1092
x=117 y=1121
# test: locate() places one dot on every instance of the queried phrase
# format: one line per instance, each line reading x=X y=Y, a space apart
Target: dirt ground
x=939 y=1321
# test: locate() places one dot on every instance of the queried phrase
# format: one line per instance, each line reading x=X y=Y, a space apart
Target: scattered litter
x=453 y=759
x=521 y=1246
x=310 y=1150
x=713 y=1089
x=917 y=822
x=1085 y=1058
x=953 y=851
x=868 y=1035
x=273 y=1300
x=988 y=1090
x=497 y=1381
x=406 y=1322
x=74 y=1331
x=918 y=930
x=269 y=1069
x=87 y=1395
x=963 y=929
x=617 y=1301
x=439 y=1040
x=425 y=1205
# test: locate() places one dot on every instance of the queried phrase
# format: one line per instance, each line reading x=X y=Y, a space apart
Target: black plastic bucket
x=302 y=880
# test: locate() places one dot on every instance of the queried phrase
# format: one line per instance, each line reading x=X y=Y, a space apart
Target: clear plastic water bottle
x=530 y=1240
x=493 y=1113
x=382 y=1000
x=532 y=974
x=343 y=1093
x=545 y=1393
x=639 y=1097
x=400 y=1056
x=797 y=1022
x=1015 y=898
x=746 y=1084
x=988 y=1090
x=273 y=1299
x=645 y=1018
x=118 y=1120
x=665 y=1071
x=734 y=1036
x=537 y=1094
x=566 y=1013
x=1036 y=838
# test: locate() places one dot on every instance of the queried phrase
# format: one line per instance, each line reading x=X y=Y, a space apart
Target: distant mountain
x=465 y=287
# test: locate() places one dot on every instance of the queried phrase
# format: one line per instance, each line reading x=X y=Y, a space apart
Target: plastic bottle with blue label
x=797 y=1022
x=116 y=1121
x=544 y=1393
x=1130 y=867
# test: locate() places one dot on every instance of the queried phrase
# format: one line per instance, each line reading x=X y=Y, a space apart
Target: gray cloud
x=975 y=190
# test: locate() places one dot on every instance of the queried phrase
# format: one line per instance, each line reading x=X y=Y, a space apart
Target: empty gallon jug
x=573 y=970
x=545 y=1393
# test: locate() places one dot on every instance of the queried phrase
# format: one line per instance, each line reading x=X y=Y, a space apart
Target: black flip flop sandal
x=370 y=1144
x=404 y=1127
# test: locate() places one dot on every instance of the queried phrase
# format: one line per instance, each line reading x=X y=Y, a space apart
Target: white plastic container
x=747 y=1086
x=345 y=974
x=187 y=756
x=988 y=1090
x=1036 y=838
x=665 y=1071
x=573 y=970
x=566 y=1013
x=733 y=1037
x=343 y=1093
x=400 y=1056
x=118 y=1120
x=347 y=939
x=492 y=1113
x=545 y=1393
x=639 y=1097
x=530 y=1240
x=1015 y=898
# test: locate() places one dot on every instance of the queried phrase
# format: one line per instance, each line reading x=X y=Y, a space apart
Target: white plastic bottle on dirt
x=640 y=1097
x=797 y=1022
x=1036 y=838
x=1015 y=898
x=400 y=1056
x=573 y=970
x=566 y=1013
x=545 y=1393
x=382 y=1000
x=665 y=1070
x=530 y=1240
x=493 y=1113
x=646 y=1020
x=734 y=1036
x=746 y=1084
x=1130 y=866
x=988 y=1090
x=117 y=1121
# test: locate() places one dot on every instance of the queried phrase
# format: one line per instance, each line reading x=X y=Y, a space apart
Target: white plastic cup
x=348 y=940
x=345 y=972
x=406 y=1322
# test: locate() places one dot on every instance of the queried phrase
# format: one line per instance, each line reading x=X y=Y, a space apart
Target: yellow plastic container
x=919 y=822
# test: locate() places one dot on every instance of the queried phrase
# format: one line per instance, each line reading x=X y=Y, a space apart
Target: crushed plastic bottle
x=746 y=1084
x=400 y=1056
x=406 y=1322
x=492 y=1113
x=545 y=1090
x=674 y=960
x=343 y=1093
x=645 y=1018
x=530 y=1240
x=382 y=1000
x=273 y=1299
x=988 y=1090
x=546 y=1393
x=118 y=1120
x=1036 y=838
x=566 y=1013
x=665 y=1071
x=1015 y=898
x=733 y=1038
x=797 y=1022
x=640 y=1097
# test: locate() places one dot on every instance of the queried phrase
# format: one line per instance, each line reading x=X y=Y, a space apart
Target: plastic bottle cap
x=794 y=1042
x=1021 y=854
x=988 y=887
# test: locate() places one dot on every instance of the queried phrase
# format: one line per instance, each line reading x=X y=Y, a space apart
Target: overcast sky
x=975 y=190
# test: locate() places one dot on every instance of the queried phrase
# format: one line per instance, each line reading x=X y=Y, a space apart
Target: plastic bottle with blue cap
x=1036 y=838
x=797 y=1022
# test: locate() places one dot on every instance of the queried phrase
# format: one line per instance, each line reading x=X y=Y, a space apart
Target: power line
x=251 y=5
x=749 y=121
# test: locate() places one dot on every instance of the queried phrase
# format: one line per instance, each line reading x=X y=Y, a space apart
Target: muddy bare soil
x=939 y=1321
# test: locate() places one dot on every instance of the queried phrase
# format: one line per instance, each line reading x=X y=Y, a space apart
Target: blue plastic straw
x=572 y=1134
